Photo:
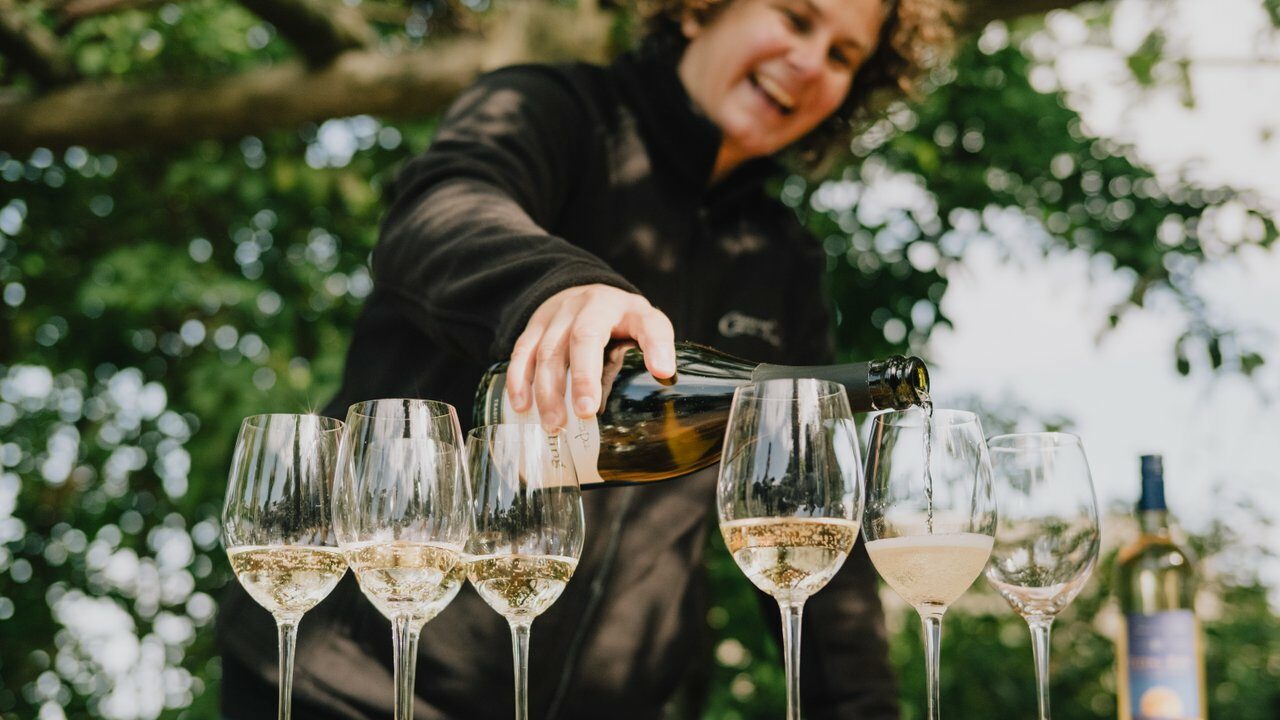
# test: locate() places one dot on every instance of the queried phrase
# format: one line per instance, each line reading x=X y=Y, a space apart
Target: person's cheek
x=834 y=97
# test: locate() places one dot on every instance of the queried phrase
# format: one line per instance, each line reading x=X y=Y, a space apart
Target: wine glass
x=790 y=496
x=276 y=522
x=402 y=517
x=529 y=528
x=930 y=516
x=1047 y=542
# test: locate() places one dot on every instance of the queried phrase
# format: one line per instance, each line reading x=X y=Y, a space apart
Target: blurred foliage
x=988 y=156
x=150 y=301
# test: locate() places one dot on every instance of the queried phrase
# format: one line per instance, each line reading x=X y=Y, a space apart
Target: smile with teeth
x=775 y=93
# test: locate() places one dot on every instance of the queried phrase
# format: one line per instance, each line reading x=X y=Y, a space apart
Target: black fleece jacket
x=539 y=179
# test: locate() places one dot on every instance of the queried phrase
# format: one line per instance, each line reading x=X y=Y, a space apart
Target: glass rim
x=751 y=390
x=259 y=421
x=436 y=408
x=1045 y=440
x=949 y=416
x=479 y=430
x=335 y=545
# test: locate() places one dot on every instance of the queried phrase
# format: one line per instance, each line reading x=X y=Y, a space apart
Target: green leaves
x=986 y=155
x=163 y=298
x=153 y=299
x=1143 y=61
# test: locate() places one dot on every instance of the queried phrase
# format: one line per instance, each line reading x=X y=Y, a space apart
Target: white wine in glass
x=789 y=496
x=520 y=586
x=414 y=580
x=402 y=516
x=529 y=529
x=1048 y=538
x=287 y=580
x=931 y=571
x=930 y=516
x=277 y=522
x=790 y=558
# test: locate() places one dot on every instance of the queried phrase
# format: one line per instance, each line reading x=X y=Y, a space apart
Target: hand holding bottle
x=567 y=335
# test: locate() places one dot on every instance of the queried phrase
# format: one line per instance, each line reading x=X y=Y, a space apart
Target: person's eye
x=794 y=19
x=840 y=58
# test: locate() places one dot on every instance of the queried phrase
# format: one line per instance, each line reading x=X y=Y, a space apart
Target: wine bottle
x=649 y=429
x=1160 y=658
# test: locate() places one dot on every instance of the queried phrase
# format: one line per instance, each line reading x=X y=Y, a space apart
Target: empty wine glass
x=402 y=517
x=930 y=515
x=1047 y=542
x=276 y=522
x=790 y=496
x=529 y=529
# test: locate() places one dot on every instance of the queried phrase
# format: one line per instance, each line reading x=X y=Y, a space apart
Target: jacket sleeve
x=465 y=252
x=845 y=671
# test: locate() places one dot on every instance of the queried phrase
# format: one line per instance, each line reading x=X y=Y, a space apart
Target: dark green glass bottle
x=649 y=429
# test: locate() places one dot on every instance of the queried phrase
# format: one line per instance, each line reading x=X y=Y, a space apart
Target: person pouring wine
x=560 y=208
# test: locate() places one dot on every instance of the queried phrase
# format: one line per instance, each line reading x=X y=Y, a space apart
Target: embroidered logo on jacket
x=735 y=324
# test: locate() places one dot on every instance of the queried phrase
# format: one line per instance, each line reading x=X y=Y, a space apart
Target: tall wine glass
x=930 y=515
x=276 y=522
x=402 y=517
x=1047 y=542
x=790 y=496
x=529 y=529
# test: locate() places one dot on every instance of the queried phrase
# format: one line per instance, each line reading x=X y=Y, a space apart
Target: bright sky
x=1028 y=329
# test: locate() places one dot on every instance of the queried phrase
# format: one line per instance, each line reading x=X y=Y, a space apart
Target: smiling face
x=769 y=71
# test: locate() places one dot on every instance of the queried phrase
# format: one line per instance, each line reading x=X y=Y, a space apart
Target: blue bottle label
x=1164 y=673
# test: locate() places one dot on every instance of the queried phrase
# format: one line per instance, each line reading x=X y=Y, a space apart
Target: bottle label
x=582 y=436
x=1164 y=667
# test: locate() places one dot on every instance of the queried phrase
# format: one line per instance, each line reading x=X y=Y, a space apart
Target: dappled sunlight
x=1075 y=228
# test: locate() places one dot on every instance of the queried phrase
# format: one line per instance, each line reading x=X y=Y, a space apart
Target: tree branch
x=384 y=12
x=410 y=84
x=73 y=11
x=413 y=84
x=32 y=48
x=319 y=29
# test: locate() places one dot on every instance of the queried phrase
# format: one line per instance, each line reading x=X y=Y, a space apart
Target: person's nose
x=808 y=57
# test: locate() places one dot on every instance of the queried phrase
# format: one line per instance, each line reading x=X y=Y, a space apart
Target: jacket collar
x=681 y=139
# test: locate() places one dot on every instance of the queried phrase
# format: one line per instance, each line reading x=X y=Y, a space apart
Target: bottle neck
x=898 y=382
x=1154 y=522
x=894 y=383
x=1153 y=514
x=855 y=378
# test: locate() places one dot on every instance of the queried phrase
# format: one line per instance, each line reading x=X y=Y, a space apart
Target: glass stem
x=405 y=650
x=792 y=613
x=1040 y=627
x=520 y=653
x=287 y=632
x=931 y=623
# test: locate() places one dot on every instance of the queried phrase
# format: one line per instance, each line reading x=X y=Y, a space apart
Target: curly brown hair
x=915 y=36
